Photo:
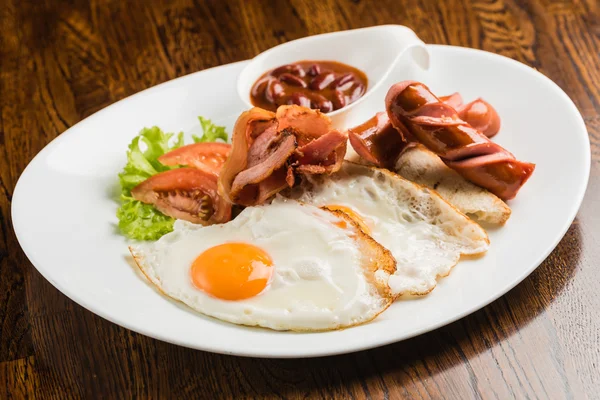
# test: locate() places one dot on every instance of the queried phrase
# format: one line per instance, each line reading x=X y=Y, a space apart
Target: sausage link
x=416 y=112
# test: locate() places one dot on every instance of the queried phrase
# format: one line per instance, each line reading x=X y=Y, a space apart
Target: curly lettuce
x=142 y=221
x=142 y=164
x=210 y=132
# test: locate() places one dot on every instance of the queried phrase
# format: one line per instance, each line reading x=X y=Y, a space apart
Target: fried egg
x=425 y=234
x=284 y=266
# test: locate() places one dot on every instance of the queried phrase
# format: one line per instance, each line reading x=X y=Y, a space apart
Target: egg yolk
x=352 y=214
x=232 y=271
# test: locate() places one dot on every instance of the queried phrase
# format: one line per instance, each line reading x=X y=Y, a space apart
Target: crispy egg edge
x=377 y=257
x=439 y=198
x=394 y=176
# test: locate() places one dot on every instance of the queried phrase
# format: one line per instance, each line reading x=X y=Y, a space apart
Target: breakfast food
x=178 y=194
x=268 y=149
x=322 y=85
x=415 y=111
x=284 y=266
x=382 y=145
x=185 y=193
x=478 y=113
x=209 y=156
x=425 y=234
x=420 y=165
x=377 y=141
x=322 y=243
x=188 y=193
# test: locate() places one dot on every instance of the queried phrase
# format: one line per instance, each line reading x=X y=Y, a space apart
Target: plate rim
x=579 y=196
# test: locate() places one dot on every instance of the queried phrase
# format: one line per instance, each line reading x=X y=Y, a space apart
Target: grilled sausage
x=418 y=114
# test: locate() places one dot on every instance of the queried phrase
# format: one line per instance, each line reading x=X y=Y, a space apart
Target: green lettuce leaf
x=138 y=220
x=142 y=164
x=210 y=132
x=142 y=221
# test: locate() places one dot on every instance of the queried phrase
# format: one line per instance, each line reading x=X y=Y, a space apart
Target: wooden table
x=62 y=61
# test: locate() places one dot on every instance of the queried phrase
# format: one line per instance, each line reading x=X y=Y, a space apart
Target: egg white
x=425 y=234
x=325 y=276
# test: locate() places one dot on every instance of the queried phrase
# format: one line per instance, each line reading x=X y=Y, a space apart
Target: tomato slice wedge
x=208 y=157
x=185 y=193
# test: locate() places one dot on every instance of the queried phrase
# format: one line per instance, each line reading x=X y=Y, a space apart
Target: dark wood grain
x=61 y=61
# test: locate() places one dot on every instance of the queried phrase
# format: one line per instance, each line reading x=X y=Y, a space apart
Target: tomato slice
x=185 y=193
x=208 y=157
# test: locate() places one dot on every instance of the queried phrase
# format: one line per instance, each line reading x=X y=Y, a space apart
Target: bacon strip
x=243 y=188
x=307 y=124
x=413 y=108
x=322 y=155
x=268 y=148
x=321 y=150
x=248 y=126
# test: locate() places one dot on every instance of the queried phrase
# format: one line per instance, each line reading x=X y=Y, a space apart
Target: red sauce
x=322 y=85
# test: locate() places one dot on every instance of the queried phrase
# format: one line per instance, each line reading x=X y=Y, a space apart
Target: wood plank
x=19 y=379
x=62 y=61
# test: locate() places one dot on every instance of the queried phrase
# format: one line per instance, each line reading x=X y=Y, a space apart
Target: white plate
x=64 y=213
